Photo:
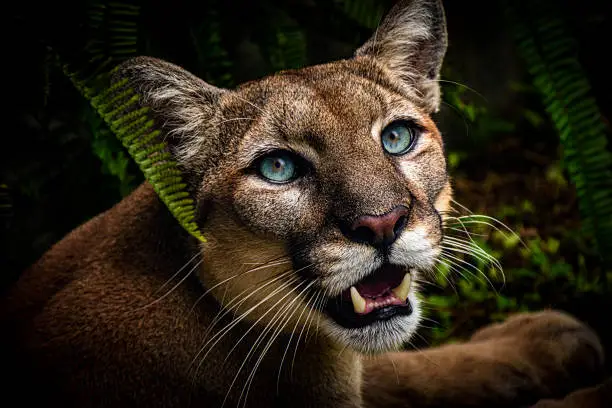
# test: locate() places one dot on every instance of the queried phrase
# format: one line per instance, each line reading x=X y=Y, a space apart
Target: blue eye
x=279 y=168
x=398 y=137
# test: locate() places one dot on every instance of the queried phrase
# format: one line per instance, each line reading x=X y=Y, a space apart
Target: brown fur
x=594 y=397
x=128 y=310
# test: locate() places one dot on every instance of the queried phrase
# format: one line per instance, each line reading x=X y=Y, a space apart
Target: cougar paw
x=545 y=324
x=564 y=352
x=594 y=397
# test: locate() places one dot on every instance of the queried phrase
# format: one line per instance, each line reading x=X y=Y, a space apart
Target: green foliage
x=106 y=146
x=366 y=13
x=214 y=63
x=287 y=47
x=481 y=123
x=113 y=30
x=6 y=205
x=542 y=274
x=118 y=106
x=114 y=38
x=551 y=57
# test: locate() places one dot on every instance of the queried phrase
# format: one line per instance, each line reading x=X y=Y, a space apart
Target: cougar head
x=320 y=190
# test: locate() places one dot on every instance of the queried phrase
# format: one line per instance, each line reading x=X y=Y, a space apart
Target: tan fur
x=128 y=310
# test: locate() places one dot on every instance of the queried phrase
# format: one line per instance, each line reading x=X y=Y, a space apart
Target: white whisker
x=178 y=272
x=165 y=295
x=274 y=318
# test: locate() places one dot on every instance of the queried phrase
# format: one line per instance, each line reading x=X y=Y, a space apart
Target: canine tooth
x=359 y=303
x=401 y=292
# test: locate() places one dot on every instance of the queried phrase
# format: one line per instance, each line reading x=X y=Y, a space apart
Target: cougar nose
x=379 y=230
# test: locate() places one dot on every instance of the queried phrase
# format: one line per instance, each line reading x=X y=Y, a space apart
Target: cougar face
x=321 y=190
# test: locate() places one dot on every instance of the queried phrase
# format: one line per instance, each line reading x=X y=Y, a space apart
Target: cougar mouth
x=380 y=296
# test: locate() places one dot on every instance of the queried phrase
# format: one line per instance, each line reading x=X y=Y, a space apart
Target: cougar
x=322 y=193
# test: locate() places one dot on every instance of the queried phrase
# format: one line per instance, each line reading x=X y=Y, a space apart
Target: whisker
x=471 y=249
x=316 y=307
x=178 y=272
x=277 y=318
x=315 y=298
x=463 y=207
x=229 y=120
x=229 y=327
x=475 y=217
x=239 y=299
x=227 y=309
x=474 y=251
x=470 y=245
x=426 y=282
x=462 y=115
x=394 y=369
x=233 y=94
x=463 y=86
x=273 y=320
x=280 y=366
x=321 y=306
x=468 y=233
x=235 y=321
x=258 y=320
x=342 y=350
x=165 y=295
x=444 y=275
x=435 y=322
x=446 y=255
x=273 y=338
x=265 y=266
x=473 y=267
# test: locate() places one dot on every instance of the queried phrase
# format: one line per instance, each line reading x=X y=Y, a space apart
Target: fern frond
x=551 y=57
x=214 y=64
x=287 y=44
x=113 y=38
x=113 y=30
x=366 y=13
x=290 y=48
x=118 y=106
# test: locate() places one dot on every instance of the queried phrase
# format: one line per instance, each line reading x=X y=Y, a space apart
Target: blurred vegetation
x=528 y=147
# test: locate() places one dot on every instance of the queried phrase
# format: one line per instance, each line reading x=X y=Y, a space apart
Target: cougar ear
x=183 y=107
x=411 y=42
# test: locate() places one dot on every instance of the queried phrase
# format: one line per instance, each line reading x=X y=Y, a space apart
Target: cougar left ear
x=166 y=118
x=183 y=107
x=411 y=42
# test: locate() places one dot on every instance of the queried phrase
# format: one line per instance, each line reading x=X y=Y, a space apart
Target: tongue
x=381 y=282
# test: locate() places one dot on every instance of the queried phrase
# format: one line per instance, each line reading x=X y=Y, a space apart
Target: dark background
x=59 y=165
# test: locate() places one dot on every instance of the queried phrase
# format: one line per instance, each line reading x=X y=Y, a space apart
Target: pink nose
x=380 y=230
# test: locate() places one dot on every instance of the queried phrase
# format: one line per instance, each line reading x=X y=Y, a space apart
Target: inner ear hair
x=411 y=42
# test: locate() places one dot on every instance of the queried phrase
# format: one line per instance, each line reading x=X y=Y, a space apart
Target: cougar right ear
x=182 y=106
x=411 y=42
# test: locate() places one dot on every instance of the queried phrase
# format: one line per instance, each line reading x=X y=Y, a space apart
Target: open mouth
x=380 y=296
